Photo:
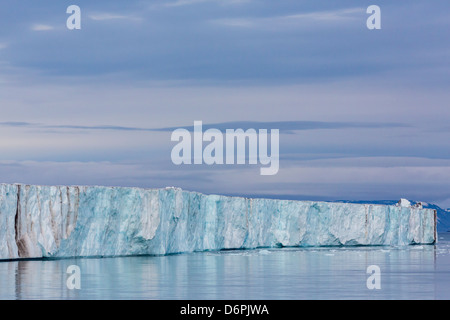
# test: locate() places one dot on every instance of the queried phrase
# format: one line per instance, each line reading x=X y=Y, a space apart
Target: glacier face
x=76 y=221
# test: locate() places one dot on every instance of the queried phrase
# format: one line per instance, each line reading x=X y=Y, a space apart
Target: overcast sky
x=364 y=114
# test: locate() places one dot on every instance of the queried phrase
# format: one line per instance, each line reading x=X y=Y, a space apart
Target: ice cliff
x=56 y=221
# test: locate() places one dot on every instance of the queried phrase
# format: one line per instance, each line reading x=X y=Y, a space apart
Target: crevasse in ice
x=77 y=221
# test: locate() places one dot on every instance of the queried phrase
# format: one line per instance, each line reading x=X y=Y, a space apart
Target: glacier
x=93 y=221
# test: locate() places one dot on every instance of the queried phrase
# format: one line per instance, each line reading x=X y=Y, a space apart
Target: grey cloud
x=16 y=124
x=287 y=127
x=291 y=20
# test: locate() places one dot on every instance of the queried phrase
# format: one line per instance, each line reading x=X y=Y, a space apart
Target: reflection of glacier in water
x=413 y=272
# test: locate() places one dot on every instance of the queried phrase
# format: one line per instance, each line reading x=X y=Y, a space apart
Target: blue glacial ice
x=81 y=221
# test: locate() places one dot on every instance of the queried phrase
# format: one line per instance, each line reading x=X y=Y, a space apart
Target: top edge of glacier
x=404 y=203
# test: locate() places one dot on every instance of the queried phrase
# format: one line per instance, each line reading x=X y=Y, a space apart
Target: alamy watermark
x=74 y=280
x=227 y=148
x=74 y=20
x=374 y=20
x=374 y=280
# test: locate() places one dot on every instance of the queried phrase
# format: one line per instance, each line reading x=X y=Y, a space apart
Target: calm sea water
x=413 y=272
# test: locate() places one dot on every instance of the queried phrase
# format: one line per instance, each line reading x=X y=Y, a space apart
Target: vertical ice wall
x=45 y=221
